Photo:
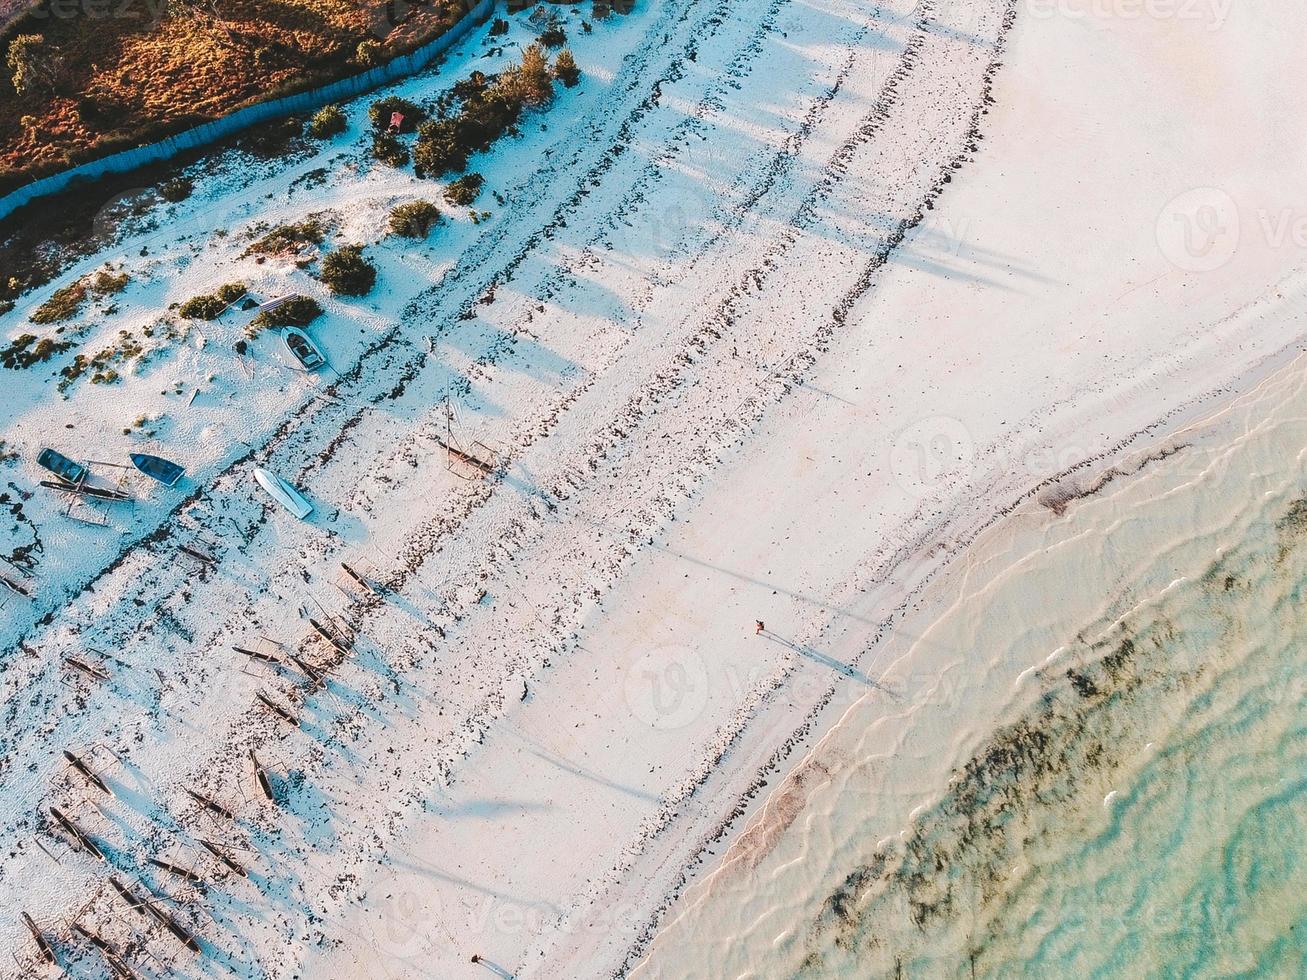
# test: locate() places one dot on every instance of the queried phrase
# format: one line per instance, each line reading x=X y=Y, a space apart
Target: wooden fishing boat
x=62 y=467
x=157 y=468
x=86 y=490
x=303 y=349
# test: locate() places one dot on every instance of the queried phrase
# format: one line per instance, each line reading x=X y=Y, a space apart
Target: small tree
x=327 y=122
x=565 y=69
x=553 y=36
x=414 y=219
x=34 y=65
x=347 y=273
x=464 y=191
x=485 y=120
x=529 y=83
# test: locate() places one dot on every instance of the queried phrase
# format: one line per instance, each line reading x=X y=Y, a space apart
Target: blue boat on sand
x=62 y=467
x=157 y=468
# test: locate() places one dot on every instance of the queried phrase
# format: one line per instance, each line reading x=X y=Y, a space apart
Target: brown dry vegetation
x=128 y=76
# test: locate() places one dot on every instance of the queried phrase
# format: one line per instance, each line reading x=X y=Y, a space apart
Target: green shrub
x=107 y=283
x=288 y=238
x=439 y=149
x=126 y=348
x=230 y=292
x=21 y=353
x=202 y=308
x=486 y=112
x=414 y=219
x=465 y=190
x=272 y=139
x=485 y=120
x=347 y=273
x=528 y=83
x=388 y=149
x=298 y=312
x=368 y=53
x=327 y=122
x=380 y=111
x=176 y=189
x=553 y=36
x=565 y=69
x=64 y=304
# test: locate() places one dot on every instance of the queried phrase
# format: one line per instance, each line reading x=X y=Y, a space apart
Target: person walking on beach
x=760 y=627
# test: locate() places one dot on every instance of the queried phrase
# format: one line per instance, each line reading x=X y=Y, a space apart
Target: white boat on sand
x=282 y=492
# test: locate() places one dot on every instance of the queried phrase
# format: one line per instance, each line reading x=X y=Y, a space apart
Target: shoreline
x=995 y=555
x=930 y=596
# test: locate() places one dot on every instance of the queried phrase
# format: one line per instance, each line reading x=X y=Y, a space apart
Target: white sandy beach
x=729 y=376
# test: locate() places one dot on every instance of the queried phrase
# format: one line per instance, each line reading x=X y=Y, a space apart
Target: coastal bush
x=202 y=308
x=387 y=149
x=107 y=283
x=100 y=366
x=465 y=190
x=347 y=273
x=273 y=139
x=327 y=122
x=486 y=111
x=25 y=350
x=177 y=189
x=439 y=149
x=297 y=312
x=565 y=69
x=381 y=111
x=230 y=292
x=528 y=83
x=289 y=238
x=414 y=219
x=63 y=304
x=368 y=53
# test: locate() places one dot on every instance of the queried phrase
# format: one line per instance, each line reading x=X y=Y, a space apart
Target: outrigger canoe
x=282 y=492
x=86 y=490
x=62 y=467
x=157 y=468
